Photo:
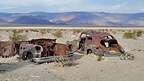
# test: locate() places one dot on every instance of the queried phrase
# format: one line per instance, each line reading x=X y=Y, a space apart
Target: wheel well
x=38 y=48
x=89 y=51
x=27 y=55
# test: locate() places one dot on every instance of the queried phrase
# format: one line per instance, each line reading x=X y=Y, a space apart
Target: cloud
x=33 y=5
x=7 y=8
x=118 y=6
x=141 y=9
x=70 y=5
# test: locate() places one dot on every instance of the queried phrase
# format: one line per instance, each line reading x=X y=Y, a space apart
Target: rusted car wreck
x=41 y=49
x=99 y=43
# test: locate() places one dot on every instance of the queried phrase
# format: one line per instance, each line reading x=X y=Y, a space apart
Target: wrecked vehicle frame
x=99 y=43
x=48 y=50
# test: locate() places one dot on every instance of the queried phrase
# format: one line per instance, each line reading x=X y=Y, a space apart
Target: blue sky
x=116 y=6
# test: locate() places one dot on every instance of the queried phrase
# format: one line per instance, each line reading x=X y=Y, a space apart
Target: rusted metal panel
x=46 y=44
x=29 y=51
x=7 y=49
x=18 y=43
x=60 y=49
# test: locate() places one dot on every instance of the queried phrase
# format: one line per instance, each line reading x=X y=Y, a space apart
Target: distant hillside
x=74 y=19
x=30 y=20
x=2 y=21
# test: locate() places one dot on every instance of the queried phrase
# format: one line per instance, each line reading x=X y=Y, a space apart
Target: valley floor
x=86 y=69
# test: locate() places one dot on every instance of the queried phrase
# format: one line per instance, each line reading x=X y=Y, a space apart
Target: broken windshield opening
x=110 y=43
x=108 y=37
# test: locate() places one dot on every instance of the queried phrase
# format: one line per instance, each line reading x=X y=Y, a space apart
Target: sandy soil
x=86 y=69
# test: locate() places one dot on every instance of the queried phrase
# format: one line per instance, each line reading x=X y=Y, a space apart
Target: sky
x=113 y=6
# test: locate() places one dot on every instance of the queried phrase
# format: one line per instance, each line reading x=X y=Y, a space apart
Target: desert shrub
x=34 y=30
x=20 y=31
x=129 y=35
x=76 y=31
x=48 y=30
x=139 y=33
x=17 y=36
x=43 y=31
x=105 y=30
x=7 y=30
x=70 y=63
x=67 y=63
x=26 y=30
x=133 y=34
x=57 y=34
x=99 y=58
x=121 y=30
x=114 y=31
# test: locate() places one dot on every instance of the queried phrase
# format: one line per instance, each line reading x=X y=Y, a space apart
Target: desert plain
x=86 y=68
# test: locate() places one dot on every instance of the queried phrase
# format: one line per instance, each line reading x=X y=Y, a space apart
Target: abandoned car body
x=42 y=49
x=99 y=43
x=29 y=51
x=46 y=44
x=7 y=49
x=59 y=53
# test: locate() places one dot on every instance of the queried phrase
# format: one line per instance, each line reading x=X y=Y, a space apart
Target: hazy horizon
x=74 y=12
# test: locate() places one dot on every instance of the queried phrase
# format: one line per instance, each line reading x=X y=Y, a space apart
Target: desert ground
x=86 y=68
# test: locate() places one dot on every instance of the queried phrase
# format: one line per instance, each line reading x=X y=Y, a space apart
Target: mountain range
x=73 y=19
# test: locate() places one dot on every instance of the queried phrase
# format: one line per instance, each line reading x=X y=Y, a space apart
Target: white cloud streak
x=64 y=5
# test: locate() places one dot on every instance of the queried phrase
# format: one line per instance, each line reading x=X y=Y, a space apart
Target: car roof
x=97 y=34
